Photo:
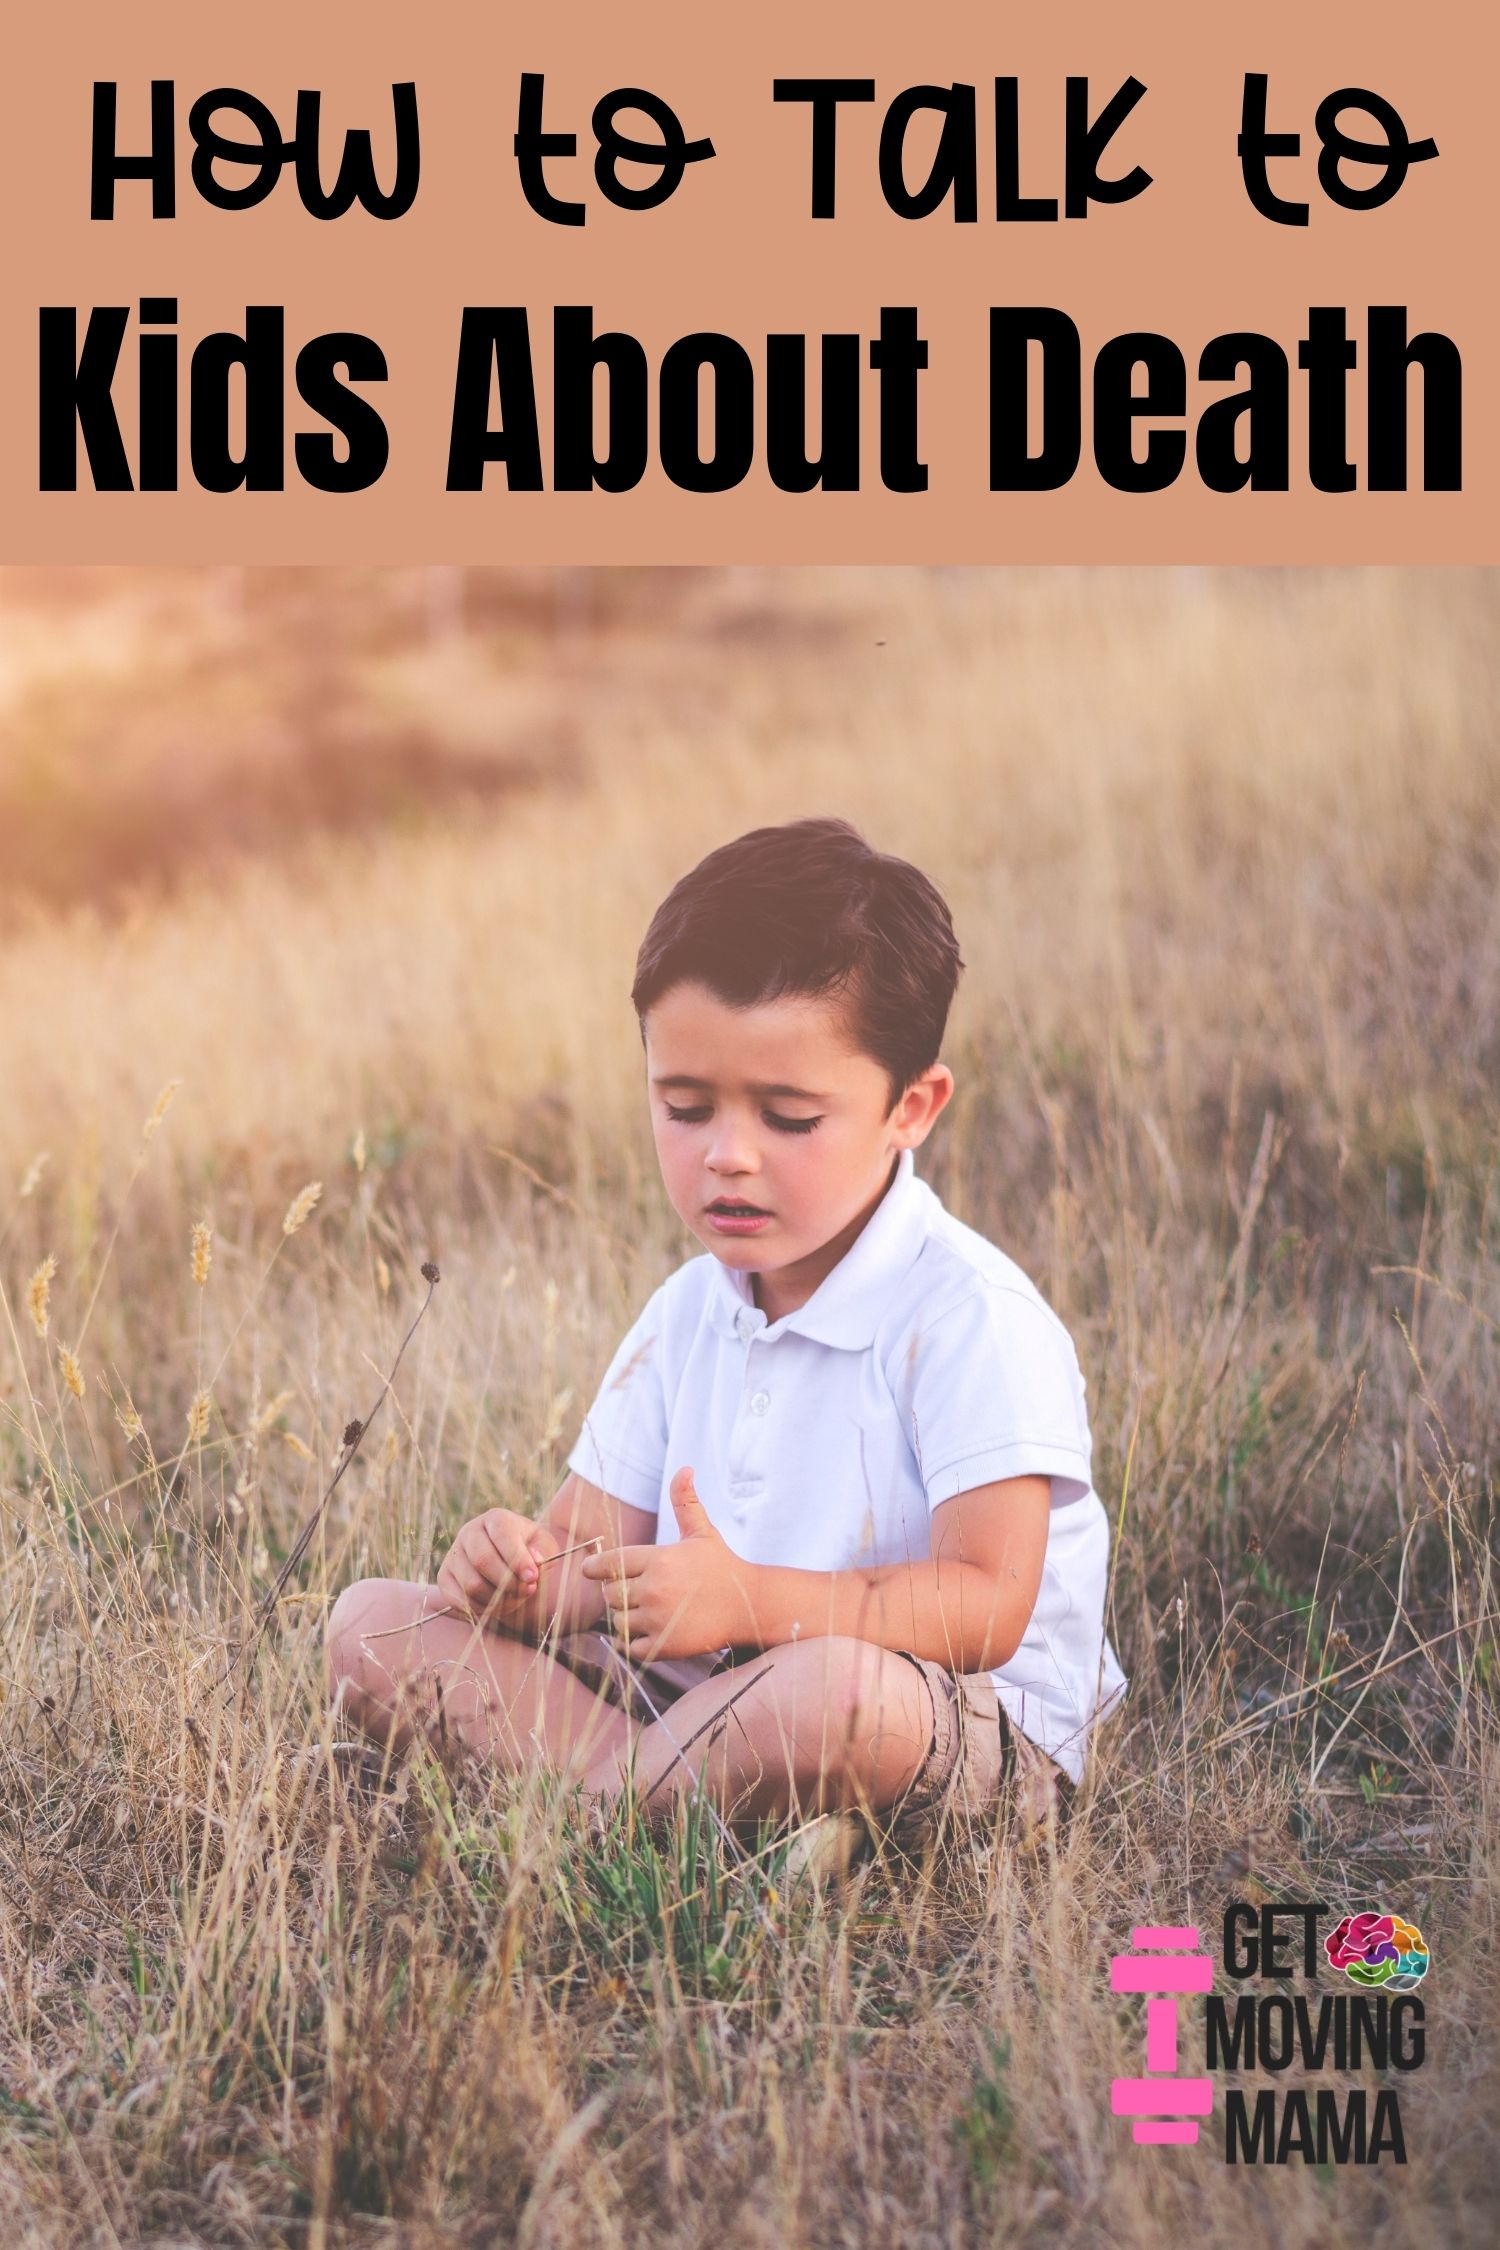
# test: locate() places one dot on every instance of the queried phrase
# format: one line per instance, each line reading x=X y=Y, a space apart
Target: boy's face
x=775 y=1132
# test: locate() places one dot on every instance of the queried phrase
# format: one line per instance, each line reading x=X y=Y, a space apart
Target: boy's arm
x=967 y=1605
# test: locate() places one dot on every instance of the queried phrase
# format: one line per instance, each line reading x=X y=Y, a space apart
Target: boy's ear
x=921 y=1105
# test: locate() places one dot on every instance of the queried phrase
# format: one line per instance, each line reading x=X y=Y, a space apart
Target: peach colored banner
x=1002 y=386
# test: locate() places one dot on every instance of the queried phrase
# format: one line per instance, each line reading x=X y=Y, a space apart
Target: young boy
x=846 y=1548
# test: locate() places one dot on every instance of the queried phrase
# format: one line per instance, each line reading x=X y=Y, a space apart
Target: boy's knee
x=370 y=1605
x=863 y=1691
x=838 y=1677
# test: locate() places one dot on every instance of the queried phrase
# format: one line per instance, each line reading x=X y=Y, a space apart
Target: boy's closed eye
x=700 y=1113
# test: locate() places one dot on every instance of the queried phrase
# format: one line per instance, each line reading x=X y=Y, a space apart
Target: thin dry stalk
x=354 y=1434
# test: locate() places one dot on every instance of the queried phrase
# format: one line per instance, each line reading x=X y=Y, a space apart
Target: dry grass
x=1223 y=853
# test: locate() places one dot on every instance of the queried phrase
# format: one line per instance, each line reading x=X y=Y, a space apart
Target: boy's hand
x=493 y=1567
x=677 y=1600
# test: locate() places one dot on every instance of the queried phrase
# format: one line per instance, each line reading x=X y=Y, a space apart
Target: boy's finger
x=480 y=1578
x=505 y=1535
x=624 y=1573
x=542 y=1543
x=631 y=1562
x=457 y=1571
x=470 y=1589
x=512 y=1553
x=616 y=1562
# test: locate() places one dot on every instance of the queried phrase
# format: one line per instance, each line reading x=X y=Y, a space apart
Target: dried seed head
x=301 y=1207
x=197 y=1421
x=382 y=1275
x=557 y=1417
x=353 y=1432
x=303 y=1452
x=430 y=1272
x=128 y=1419
x=163 y=1103
x=38 y=1291
x=70 y=1371
x=203 y=1251
x=357 y=1152
x=269 y=1414
x=34 y=1171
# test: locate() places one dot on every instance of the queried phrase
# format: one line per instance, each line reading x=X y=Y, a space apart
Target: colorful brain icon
x=1379 y=1949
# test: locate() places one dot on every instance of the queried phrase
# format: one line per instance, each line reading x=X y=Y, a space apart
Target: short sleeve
x=622 y=1447
x=993 y=1390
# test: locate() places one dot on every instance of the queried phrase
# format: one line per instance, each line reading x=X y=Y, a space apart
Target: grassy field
x=364 y=883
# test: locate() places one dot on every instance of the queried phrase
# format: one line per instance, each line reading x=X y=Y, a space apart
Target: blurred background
x=323 y=841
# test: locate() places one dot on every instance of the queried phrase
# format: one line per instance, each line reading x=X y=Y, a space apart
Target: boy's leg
x=808 y=1725
x=398 y=1667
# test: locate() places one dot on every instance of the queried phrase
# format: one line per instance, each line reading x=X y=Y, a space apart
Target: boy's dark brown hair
x=811 y=908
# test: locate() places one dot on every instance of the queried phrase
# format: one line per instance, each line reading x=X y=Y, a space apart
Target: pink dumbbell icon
x=1163 y=2106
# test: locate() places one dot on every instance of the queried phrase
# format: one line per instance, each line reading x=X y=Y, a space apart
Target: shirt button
x=760 y=1402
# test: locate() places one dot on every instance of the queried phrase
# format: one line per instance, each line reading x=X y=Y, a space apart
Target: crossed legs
x=808 y=1725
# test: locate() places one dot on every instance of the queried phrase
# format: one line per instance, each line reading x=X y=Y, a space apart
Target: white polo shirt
x=925 y=1364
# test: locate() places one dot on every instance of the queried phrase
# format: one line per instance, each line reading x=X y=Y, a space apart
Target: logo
x=1163 y=2108
x=1380 y=2024
x=1375 y=1949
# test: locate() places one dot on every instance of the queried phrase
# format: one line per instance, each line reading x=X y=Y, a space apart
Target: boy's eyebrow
x=705 y=1086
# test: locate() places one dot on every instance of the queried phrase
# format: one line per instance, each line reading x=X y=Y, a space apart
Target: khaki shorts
x=975 y=1761
x=643 y=1689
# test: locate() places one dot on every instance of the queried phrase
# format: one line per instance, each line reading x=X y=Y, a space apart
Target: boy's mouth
x=731 y=1214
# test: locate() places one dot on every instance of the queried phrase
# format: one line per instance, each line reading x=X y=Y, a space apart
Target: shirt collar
x=847 y=1307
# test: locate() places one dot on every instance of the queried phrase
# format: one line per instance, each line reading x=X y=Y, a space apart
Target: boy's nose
x=731 y=1152
x=728 y=1165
